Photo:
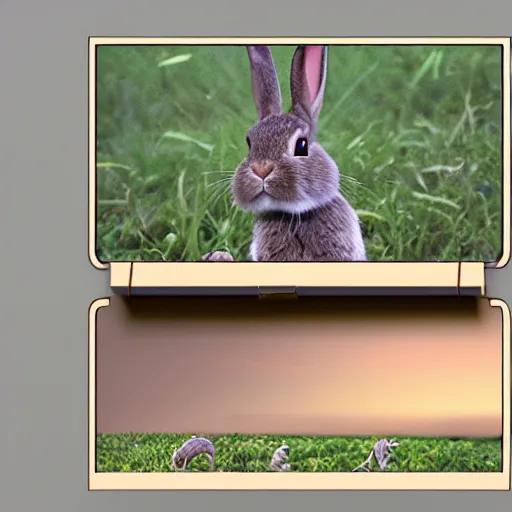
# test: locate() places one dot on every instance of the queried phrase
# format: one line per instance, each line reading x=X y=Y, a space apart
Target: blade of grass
x=436 y=66
x=446 y=168
x=435 y=199
x=177 y=59
x=183 y=137
x=424 y=69
x=112 y=165
x=365 y=214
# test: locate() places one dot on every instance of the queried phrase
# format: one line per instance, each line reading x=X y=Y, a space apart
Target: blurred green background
x=415 y=131
x=241 y=453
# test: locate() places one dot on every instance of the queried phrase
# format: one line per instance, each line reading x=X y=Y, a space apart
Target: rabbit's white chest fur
x=253 y=250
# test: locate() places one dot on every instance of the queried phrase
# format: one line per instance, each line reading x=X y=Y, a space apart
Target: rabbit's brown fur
x=300 y=213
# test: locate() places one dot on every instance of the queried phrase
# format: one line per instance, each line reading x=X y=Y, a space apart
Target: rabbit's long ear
x=307 y=81
x=265 y=85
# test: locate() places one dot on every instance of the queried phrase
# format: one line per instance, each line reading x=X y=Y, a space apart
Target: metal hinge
x=277 y=292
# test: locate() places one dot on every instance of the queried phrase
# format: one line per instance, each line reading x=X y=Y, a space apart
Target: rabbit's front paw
x=217 y=256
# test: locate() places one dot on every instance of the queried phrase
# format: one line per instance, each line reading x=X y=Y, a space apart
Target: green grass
x=416 y=133
x=243 y=453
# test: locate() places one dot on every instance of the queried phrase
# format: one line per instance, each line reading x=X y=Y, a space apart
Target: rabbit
x=287 y=179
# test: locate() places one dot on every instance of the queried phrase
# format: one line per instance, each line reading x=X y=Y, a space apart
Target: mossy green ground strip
x=244 y=453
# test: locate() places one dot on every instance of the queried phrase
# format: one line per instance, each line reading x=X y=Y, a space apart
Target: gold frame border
x=187 y=270
x=300 y=481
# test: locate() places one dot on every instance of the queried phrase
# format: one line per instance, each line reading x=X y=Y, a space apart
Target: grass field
x=240 y=453
x=416 y=133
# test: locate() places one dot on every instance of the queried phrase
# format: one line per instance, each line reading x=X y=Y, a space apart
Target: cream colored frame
x=371 y=275
x=304 y=481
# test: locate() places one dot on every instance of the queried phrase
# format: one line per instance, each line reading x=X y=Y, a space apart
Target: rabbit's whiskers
x=222 y=180
x=221 y=189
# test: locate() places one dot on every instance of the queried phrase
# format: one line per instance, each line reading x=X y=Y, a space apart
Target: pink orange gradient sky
x=363 y=367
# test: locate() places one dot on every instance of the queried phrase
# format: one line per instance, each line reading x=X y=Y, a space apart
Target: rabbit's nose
x=262 y=170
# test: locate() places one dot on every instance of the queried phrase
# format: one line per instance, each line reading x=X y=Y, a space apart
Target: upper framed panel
x=286 y=159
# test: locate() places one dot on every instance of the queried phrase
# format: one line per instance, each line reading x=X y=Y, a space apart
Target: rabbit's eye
x=301 y=147
x=248 y=142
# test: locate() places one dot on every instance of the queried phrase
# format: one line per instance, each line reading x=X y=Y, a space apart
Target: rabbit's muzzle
x=258 y=186
x=262 y=169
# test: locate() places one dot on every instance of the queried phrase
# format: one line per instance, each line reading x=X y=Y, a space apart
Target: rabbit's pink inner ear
x=313 y=67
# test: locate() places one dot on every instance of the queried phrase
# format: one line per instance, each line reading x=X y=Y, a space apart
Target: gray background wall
x=46 y=281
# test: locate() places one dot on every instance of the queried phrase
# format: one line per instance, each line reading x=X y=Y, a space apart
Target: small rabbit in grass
x=381 y=452
x=287 y=179
x=190 y=449
x=279 y=458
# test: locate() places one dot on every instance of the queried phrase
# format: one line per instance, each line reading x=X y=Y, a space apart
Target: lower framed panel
x=318 y=373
